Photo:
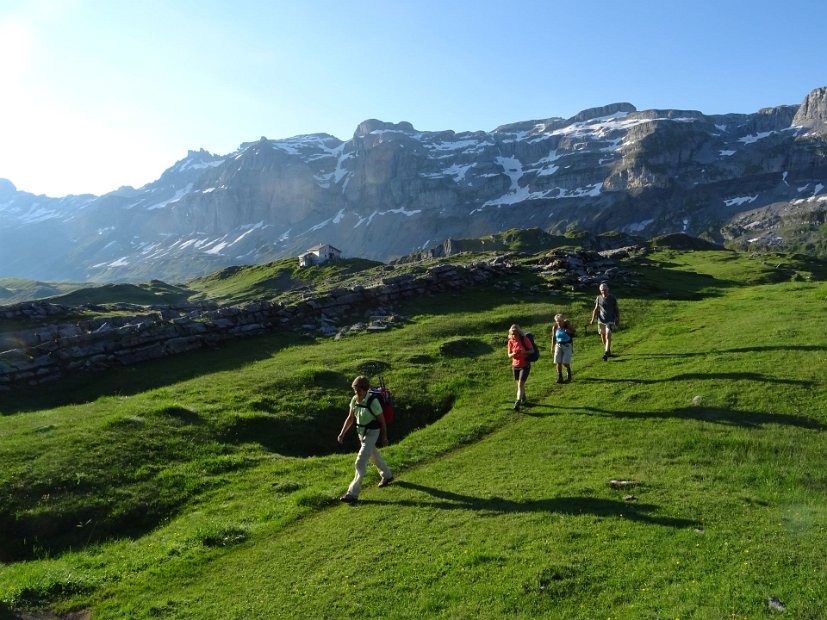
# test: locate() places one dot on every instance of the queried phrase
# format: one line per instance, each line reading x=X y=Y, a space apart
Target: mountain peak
x=812 y=113
x=7 y=187
x=606 y=110
x=372 y=124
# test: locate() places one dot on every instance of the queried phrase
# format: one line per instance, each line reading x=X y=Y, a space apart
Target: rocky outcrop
x=778 y=226
x=585 y=268
x=812 y=113
x=603 y=111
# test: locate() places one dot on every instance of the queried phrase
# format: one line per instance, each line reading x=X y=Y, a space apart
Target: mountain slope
x=392 y=190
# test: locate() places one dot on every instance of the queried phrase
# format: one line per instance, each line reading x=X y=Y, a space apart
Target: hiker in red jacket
x=519 y=349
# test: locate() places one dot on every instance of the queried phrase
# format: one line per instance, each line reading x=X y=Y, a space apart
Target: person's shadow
x=698 y=376
x=713 y=415
x=447 y=500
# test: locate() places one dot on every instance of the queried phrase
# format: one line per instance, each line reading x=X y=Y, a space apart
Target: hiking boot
x=559 y=378
x=605 y=356
x=385 y=482
x=347 y=498
x=517 y=406
x=568 y=379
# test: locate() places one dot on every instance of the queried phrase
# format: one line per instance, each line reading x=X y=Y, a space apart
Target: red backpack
x=385 y=398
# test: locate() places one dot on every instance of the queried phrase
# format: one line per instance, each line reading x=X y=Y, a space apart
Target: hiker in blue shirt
x=562 y=346
x=607 y=313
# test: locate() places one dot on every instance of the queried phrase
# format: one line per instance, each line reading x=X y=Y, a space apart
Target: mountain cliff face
x=391 y=190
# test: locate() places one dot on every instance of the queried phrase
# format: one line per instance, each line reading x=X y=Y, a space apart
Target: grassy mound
x=154 y=292
x=679 y=241
x=272 y=280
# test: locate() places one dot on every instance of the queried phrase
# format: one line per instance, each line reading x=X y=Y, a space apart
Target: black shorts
x=521 y=374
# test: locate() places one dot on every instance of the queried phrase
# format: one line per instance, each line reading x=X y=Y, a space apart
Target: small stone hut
x=319 y=254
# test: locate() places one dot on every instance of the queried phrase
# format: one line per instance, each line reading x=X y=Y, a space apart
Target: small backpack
x=533 y=357
x=385 y=398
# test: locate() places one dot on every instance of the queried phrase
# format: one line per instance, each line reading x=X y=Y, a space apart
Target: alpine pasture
x=206 y=485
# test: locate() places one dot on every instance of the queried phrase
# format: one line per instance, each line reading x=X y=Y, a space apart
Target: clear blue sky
x=95 y=94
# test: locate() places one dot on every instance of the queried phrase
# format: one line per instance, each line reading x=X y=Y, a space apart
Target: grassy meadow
x=206 y=485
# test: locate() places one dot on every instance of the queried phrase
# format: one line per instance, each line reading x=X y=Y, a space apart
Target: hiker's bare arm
x=346 y=427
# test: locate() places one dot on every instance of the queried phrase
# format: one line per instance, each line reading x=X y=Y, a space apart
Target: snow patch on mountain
x=178 y=196
x=752 y=138
x=637 y=226
x=457 y=172
x=188 y=164
x=457 y=145
x=320 y=225
x=341 y=172
x=740 y=200
x=35 y=214
x=599 y=127
x=546 y=165
x=589 y=190
x=309 y=148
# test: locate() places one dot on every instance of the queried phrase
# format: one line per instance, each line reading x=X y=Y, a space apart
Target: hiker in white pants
x=366 y=412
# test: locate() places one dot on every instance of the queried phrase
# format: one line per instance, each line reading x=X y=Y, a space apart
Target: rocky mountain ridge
x=392 y=190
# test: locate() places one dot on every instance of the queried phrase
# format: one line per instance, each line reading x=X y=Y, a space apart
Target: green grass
x=205 y=486
x=273 y=280
x=15 y=290
x=154 y=292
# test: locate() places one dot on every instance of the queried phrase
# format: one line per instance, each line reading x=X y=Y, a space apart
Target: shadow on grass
x=314 y=434
x=759 y=349
x=446 y=500
x=691 y=376
x=137 y=378
x=465 y=347
x=659 y=280
x=714 y=415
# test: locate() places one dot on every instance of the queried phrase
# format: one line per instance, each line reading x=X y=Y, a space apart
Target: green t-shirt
x=366 y=417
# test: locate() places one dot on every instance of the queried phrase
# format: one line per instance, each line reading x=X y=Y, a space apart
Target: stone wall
x=48 y=353
x=58 y=349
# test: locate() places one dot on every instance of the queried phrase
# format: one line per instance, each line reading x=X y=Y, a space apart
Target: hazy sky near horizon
x=96 y=94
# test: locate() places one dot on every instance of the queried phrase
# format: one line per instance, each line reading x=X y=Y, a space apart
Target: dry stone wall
x=58 y=349
x=48 y=353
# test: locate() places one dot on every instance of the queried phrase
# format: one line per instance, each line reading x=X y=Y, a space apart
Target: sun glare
x=15 y=47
